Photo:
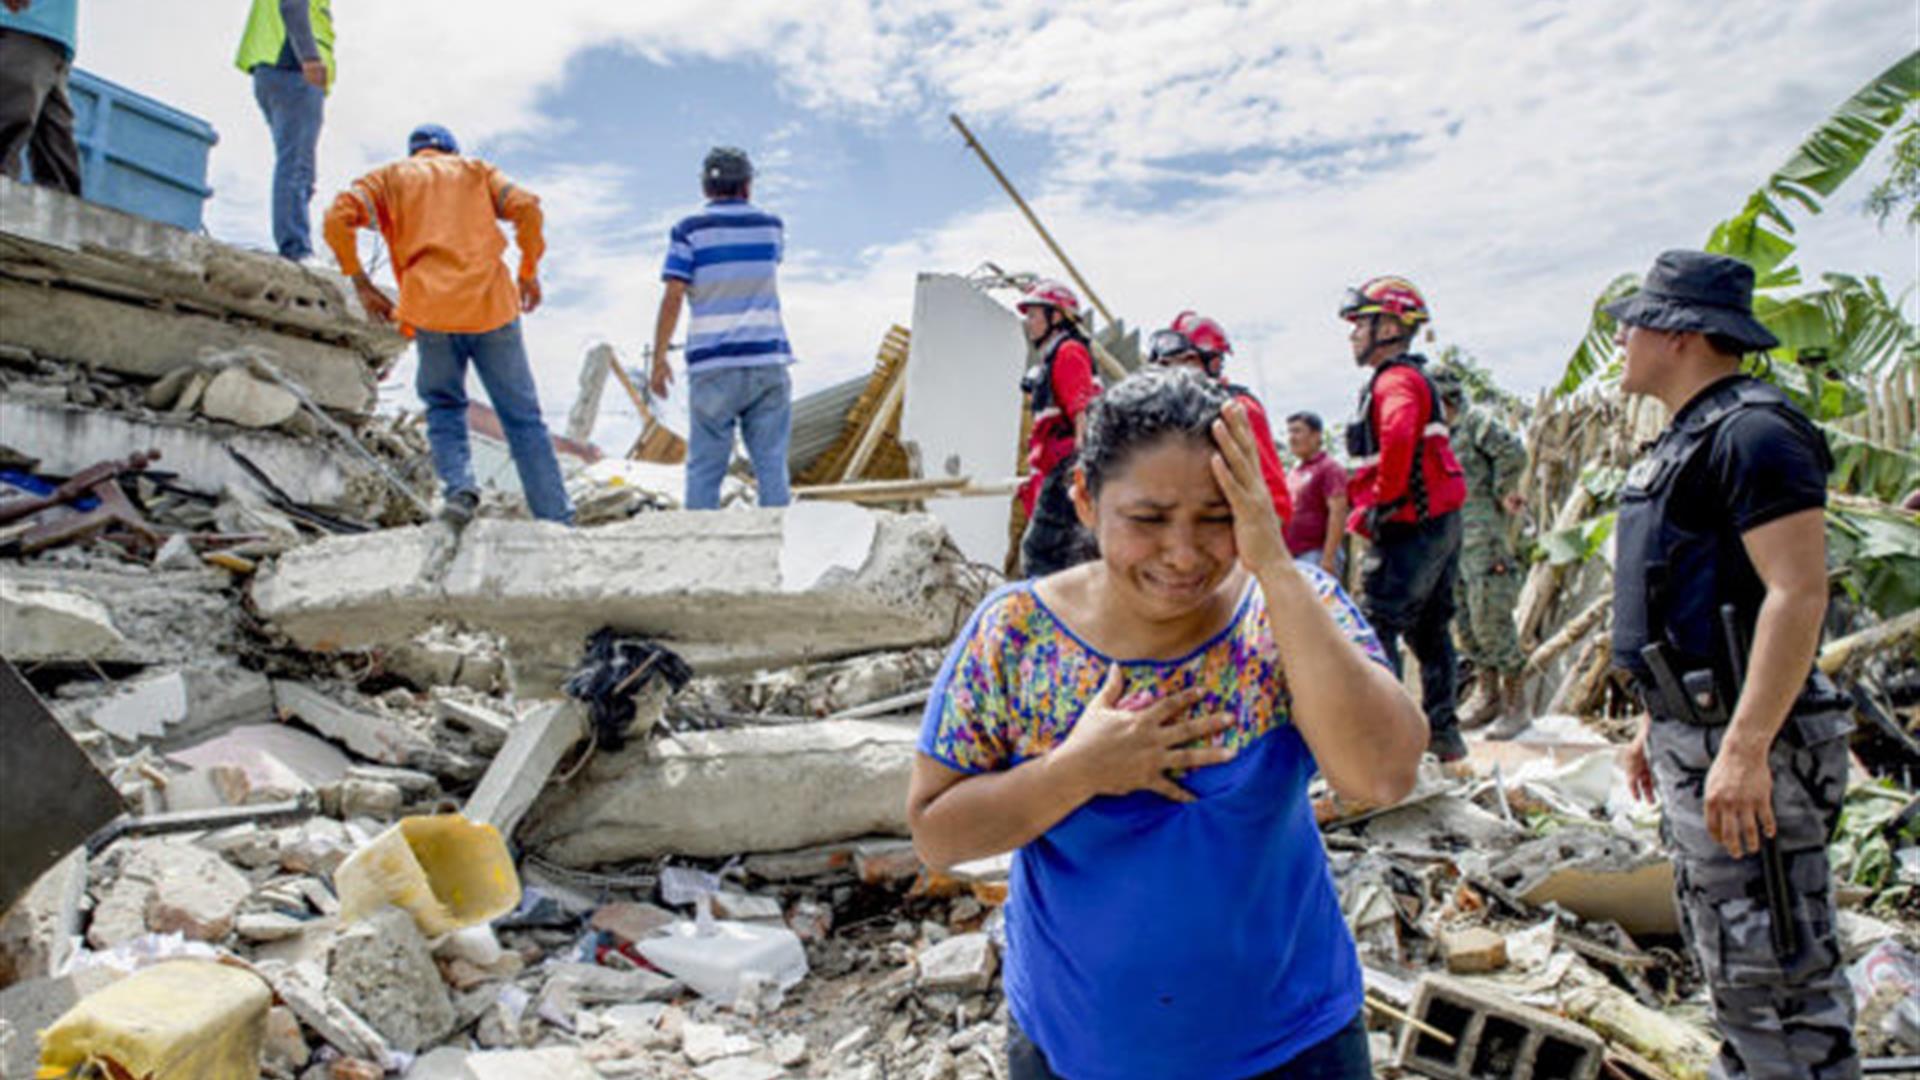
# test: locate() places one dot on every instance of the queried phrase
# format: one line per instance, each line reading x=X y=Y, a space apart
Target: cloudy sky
x=1246 y=159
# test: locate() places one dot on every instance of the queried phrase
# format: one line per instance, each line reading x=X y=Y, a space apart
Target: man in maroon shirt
x=1318 y=485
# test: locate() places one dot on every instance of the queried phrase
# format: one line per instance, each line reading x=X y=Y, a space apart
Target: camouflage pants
x=1779 y=1017
x=1487 y=598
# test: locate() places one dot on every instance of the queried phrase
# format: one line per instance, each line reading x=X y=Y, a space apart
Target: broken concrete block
x=739 y=1068
x=710 y=586
x=1596 y=874
x=710 y=1042
x=745 y=907
x=267 y=751
x=486 y=729
x=303 y=987
x=550 y=1063
x=789 y=1051
x=195 y=893
x=964 y=963
x=724 y=792
x=178 y=1020
x=33 y=1005
x=354 y=798
x=263 y=926
x=285 y=1046
x=68 y=438
x=383 y=970
x=590 y=984
x=177 y=703
x=1493 y=1035
x=37 y=932
x=238 y=396
x=445 y=871
x=315 y=846
x=52 y=624
x=1473 y=950
x=886 y=862
x=521 y=770
x=367 y=734
x=630 y=921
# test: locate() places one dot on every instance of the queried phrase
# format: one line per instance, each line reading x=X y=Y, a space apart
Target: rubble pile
x=300 y=786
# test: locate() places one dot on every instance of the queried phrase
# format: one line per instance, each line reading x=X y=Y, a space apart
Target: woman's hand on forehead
x=1257 y=534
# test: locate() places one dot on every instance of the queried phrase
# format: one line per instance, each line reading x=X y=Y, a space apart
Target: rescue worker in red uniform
x=1059 y=387
x=1200 y=343
x=1406 y=489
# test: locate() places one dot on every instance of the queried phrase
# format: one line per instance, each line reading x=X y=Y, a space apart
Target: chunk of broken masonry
x=964 y=963
x=382 y=969
x=179 y=1020
x=725 y=792
x=1473 y=950
x=734 y=591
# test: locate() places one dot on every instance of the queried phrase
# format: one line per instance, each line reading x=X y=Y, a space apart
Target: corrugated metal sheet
x=818 y=420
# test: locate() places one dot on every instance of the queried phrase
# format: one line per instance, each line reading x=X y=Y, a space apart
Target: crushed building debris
x=316 y=762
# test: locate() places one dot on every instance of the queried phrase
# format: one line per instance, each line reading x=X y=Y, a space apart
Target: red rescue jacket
x=1399 y=422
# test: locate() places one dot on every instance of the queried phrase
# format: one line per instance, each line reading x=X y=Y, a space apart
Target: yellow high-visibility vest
x=266 y=35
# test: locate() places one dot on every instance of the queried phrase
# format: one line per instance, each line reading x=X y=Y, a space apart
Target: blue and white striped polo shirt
x=728 y=255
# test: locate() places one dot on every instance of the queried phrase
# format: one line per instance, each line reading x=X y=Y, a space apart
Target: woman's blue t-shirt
x=1147 y=938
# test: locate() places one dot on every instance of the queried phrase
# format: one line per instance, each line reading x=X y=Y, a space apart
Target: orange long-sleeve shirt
x=438 y=212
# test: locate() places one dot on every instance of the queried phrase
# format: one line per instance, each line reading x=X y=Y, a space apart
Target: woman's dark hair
x=1140 y=410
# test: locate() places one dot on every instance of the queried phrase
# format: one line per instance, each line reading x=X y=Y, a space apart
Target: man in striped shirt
x=723 y=262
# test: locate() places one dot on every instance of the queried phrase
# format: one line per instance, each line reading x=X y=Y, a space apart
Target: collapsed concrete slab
x=67 y=439
x=732 y=591
x=54 y=624
x=162 y=615
x=727 y=792
x=85 y=283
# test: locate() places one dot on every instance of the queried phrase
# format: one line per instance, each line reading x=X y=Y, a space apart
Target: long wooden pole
x=1032 y=219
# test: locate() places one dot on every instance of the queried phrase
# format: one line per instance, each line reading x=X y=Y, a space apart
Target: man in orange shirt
x=437 y=211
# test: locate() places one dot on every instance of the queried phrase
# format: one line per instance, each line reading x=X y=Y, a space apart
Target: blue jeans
x=293 y=108
x=499 y=357
x=760 y=400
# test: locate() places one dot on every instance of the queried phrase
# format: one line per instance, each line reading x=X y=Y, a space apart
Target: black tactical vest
x=1363 y=438
x=1670 y=580
x=1038 y=381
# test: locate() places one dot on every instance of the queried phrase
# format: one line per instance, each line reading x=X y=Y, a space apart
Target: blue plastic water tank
x=139 y=155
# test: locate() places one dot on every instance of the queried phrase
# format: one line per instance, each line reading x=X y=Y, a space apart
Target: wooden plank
x=877 y=425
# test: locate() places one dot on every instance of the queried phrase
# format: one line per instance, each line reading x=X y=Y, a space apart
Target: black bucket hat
x=1695 y=292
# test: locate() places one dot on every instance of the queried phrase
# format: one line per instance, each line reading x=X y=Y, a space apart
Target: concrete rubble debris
x=708 y=586
x=383 y=970
x=964 y=963
x=1491 y=1035
x=1473 y=950
x=53 y=624
x=729 y=791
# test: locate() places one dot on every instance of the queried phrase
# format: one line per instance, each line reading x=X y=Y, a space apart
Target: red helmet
x=1050 y=293
x=1207 y=335
x=1389 y=295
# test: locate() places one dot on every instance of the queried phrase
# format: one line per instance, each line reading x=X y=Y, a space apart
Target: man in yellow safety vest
x=288 y=49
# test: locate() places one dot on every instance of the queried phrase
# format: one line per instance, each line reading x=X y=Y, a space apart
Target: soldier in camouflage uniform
x=1719 y=593
x=1488 y=592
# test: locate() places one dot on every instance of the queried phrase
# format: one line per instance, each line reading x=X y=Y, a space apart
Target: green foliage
x=1863 y=843
x=1577 y=543
x=1864 y=468
x=1849 y=326
x=1879 y=556
x=1901 y=186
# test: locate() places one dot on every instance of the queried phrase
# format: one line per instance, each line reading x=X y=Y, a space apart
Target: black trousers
x=1055 y=539
x=1340 y=1056
x=36 y=117
x=1409 y=577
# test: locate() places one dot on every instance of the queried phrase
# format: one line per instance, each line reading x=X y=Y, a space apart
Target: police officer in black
x=1719 y=591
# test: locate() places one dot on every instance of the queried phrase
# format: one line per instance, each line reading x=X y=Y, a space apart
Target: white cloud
x=1510 y=157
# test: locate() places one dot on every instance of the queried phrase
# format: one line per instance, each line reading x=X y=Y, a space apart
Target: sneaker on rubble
x=460 y=507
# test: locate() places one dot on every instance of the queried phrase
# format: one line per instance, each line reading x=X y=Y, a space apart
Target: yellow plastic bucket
x=446 y=871
x=178 y=1020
